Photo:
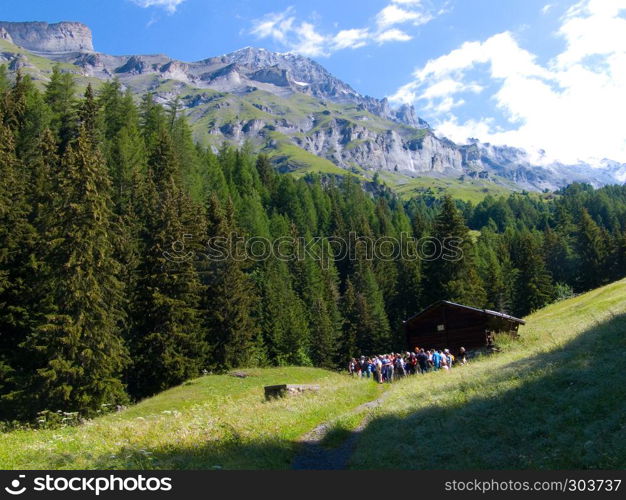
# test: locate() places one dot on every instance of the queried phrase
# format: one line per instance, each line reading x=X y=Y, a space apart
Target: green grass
x=298 y=161
x=217 y=421
x=40 y=68
x=468 y=189
x=555 y=399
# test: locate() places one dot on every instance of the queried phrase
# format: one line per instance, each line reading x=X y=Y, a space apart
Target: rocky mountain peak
x=48 y=38
x=256 y=94
x=4 y=35
x=301 y=70
x=307 y=76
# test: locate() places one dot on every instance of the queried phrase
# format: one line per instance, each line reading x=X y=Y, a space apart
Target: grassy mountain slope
x=468 y=189
x=285 y=127
x=217 y=421
x=554 y=399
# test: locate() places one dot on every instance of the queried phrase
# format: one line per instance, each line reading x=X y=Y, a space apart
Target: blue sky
x=537 y=74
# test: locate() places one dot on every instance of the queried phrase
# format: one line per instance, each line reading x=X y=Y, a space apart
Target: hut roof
x=461 y=306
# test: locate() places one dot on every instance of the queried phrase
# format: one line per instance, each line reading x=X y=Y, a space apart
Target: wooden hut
x=446 y=324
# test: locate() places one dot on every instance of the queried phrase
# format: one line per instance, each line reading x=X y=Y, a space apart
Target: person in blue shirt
x=437 y=359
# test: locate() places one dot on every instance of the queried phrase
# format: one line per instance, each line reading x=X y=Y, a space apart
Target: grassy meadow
x=213 y=422
x=555 y=398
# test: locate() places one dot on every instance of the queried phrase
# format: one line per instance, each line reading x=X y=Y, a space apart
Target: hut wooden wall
x=462 y=328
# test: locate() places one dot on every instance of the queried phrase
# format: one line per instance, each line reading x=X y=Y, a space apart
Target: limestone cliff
x=44 y=37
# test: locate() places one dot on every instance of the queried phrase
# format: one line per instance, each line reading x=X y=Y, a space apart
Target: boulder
x=281 y=390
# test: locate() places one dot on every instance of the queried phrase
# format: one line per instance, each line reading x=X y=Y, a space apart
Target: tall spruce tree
x=168 y=343
x=79 y=343
x=592 y=249
x=230 y=300
x=25 y=302
x=316 y=282
x=348 y=347
x=60 y=96
x=13 y=227
x=283 y=316
x=368 y=317
x=533 y=284
x=452 y=273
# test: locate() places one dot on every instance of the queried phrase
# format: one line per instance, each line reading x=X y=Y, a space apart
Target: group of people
x=388 y=367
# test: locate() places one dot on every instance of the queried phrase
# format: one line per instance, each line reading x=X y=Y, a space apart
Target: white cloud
x=169 y=5
x=392 y=35
x=300 y=37
x=392 y=14
x=351 y=39
x=546 y=8
x=305 y=38
x=446 y=87
x=573 y=106
x=310 y=42
x=275 y=25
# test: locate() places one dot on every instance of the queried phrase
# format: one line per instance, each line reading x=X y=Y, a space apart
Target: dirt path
x=313 y=456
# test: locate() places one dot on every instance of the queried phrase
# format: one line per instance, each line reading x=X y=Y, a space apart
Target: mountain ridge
x=283 y=100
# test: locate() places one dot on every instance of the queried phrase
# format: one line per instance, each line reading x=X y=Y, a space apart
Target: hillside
x=554 y=400
x=293 y=109
x=213 y=422
x=562 y=384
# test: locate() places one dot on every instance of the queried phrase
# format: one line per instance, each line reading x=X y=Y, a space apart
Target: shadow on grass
x=565 y=409
x=226 y=454
x=558 y=410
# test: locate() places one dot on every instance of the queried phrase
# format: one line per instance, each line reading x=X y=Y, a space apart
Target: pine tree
x=368 y=317
x=27 y=116
x=127 y=164
x=168 y=342
x=351 y=314
x=4 y=79
x=12 y=223
x=283 y=317
x=452 y=274
x=230 y=299
x=152 y=118
x=408 y=292
x=592 y=249
x=533 y=287
x=267 y=174
x=620 y=256
x=60 y=97
x=79 y=342
x=316 y=282
x=559 y=256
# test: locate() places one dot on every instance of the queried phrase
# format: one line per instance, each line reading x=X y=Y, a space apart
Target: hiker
x=379 y=370
x=462 y=356
x=413 y=362
x=436 y=359
x=447 y=356
x=444 y=361
x=387 y=367
x=358 y=368
x=390 y=368
x=368 y=367
x=400 y=366
x=422 y=359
